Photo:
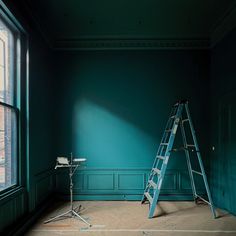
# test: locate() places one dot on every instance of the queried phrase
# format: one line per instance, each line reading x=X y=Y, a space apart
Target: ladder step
x=148 y=196
x=185 y=120
x=164 y=144
x=154 y=185
x=168 y=130
x=197 y=172
x=190 y=145
x=161 y=157
x=203 y=200
x=172 y=117
x=156 y=171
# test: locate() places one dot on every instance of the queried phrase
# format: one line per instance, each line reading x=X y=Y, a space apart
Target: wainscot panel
x=12 y=207
x=44 y=185
x=121 y=184
x=131 y=181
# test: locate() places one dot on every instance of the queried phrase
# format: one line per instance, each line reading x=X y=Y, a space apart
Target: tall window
x=8 y=109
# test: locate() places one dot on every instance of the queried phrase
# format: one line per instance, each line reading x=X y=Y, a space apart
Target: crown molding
x=130 y=44
x=224 y=25
x=220 y=29
x=42 y=29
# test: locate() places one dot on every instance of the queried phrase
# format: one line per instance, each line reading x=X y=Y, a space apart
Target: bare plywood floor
x=116 y=218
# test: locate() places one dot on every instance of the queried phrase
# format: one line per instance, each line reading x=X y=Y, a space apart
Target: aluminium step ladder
x=179 y=116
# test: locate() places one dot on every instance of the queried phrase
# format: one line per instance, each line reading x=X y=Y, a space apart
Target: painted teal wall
x=41 y=158
x=112 y=109
x=37 y=158
x=223 y=128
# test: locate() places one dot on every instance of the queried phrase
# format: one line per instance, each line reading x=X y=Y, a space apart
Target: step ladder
x=179 y=116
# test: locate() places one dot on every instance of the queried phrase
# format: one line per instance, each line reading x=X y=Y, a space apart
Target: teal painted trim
x=13 y=201
x=11 y=18
x=11 y=193
x=26 y=222
x=115 y=184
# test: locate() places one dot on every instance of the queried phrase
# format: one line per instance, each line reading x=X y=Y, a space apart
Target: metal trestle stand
x=63 y=162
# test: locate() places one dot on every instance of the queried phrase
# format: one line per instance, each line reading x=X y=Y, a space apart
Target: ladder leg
x=153 y=205
x=160 y=150
x=200 y=162
x=207 y=186
x=188 y=160
x=155 y=198
x=167 y=151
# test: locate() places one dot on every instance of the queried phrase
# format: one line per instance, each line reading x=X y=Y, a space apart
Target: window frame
x=20 y=99
x=16 y=111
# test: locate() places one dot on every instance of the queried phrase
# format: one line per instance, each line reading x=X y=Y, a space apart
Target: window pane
x=2 y=63
x=2 y=84
x=7 y=64
x=8 y=147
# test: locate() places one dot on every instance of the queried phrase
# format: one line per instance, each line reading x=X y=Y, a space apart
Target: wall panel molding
x=138 y=181
x=121 y=184
x=44 y=185
x=99 y=181
x=12 y=209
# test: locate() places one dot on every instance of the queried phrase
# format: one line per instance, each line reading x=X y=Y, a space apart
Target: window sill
x=11 y=193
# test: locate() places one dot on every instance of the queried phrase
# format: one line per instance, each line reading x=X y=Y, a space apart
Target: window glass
x=7 y=64
x=8 y=147
x=8 y=111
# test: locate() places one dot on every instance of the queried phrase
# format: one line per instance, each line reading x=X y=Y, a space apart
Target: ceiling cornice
x=130 y=44
x=40 y=27
x=224 y=25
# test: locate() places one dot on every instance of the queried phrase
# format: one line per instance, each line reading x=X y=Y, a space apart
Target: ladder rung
x=148 y=196
x=185 y=120
x=156 y=171
x=161 y=157
x=203 y=199
x=168 y=130
x=197 y=172
x=154 y=185
x=172 y=117
x=166 y=144
x=190 y=145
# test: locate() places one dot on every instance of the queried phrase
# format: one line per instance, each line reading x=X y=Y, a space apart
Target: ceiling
x=128 y=19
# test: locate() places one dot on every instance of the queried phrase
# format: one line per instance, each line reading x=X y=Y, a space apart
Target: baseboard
x=26 y=222
x=121 y=197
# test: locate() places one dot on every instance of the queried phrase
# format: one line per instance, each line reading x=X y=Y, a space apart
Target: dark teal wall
x=37 y=158
x=112 y=109
x=223 y=117
x=41 y=157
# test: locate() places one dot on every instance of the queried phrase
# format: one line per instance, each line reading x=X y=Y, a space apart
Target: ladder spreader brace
x=153 y=187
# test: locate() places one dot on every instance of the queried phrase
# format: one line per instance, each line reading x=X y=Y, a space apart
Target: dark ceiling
x=162 y=19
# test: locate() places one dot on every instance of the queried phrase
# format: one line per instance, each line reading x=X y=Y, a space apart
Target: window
x=8 y=106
